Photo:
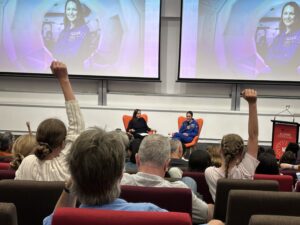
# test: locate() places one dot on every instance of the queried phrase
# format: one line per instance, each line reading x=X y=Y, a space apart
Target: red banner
x=283 y=134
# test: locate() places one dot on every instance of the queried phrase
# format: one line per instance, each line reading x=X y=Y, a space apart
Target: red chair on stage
x=80 y=216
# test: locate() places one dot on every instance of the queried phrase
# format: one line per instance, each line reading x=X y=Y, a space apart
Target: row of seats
x=285 y=181
x=236 y=202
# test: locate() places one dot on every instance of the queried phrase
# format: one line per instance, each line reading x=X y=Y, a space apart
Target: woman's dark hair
x=296 y=24
x=135 y=112
x=288 y=157
x=50 y=134
x=80 y=14
x=190 y=112
x=268 y=164
x=199 y=160
x=292 y=147
x=6 y=141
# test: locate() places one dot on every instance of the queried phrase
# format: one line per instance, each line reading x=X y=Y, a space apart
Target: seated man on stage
x=188 y=130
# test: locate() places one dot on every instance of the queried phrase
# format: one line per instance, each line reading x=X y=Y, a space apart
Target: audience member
x=288 y=161
x=188 y=130
x=236 y=162
x=96 y=163
x=176 y=155
x=23 y=146
x=288 y=157
x=6 y=142
x=267 y=164
x=199 y=161
x=153 y=161
x=137 y=125
x=54 y=141
x=215 y=155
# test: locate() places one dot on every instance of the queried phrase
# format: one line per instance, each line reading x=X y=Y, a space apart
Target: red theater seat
x=79 y=216
x=285 y=181
x=4 y=166
x=171 y=199
x=202 y=187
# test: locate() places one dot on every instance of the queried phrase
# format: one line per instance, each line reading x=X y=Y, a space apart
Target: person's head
x=290 y=16
x=215 y=155
x=199 y=160
x=292 y=147
x=136 y=113
x=155 y=151
x=267 y=164
x=232 y=150
x=6 y=141
x=73 y=14
x=22 y=147
x=96 y=162
x=288 y=157
x=176 y=148
x=189 y=115
x=50 y=135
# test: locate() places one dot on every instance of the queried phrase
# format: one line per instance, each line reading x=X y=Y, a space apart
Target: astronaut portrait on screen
x=76 y=41
x=282 y=54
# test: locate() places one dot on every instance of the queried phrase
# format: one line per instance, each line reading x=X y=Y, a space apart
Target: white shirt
x=55 y=169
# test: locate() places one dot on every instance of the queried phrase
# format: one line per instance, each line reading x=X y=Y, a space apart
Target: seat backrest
x=202 y=187
x=242 y=204
x=171 y=199
x=34 y=200
x=290 y=172
x=127 y=118
x=8 y=214
x=79 y=216
x=285 y=181
x=297 y=187
x=4 y=166
x=225 y=185
x=274 y=220
x=7 y=174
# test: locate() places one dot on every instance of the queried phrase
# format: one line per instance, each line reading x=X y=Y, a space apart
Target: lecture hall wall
x=35 y=99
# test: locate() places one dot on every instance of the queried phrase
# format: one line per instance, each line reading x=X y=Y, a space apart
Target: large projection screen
x=95 y=38
x=240 y=40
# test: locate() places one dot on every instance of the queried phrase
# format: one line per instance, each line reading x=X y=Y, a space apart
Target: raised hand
x=59 y=69
x=250 y=95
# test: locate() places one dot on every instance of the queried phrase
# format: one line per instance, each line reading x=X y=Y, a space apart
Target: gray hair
x=155 y=149
x=96 y=161
x=122 y=136
x=175 y=144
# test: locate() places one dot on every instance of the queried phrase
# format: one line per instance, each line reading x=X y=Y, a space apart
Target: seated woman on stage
x=188 y=130
x=137 y=125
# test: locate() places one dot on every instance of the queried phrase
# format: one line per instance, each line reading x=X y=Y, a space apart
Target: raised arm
x=60 y=71
x=250 y=96
x=75 y=118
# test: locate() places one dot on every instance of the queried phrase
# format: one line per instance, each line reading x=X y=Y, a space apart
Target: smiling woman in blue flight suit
x=188 y=129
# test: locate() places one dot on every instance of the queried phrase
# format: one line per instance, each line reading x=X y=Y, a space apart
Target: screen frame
x=99 y=77
x=225 y=81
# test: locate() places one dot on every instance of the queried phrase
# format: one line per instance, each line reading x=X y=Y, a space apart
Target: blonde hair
x=232 y=146
x=22 y=147
x=215 y=155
